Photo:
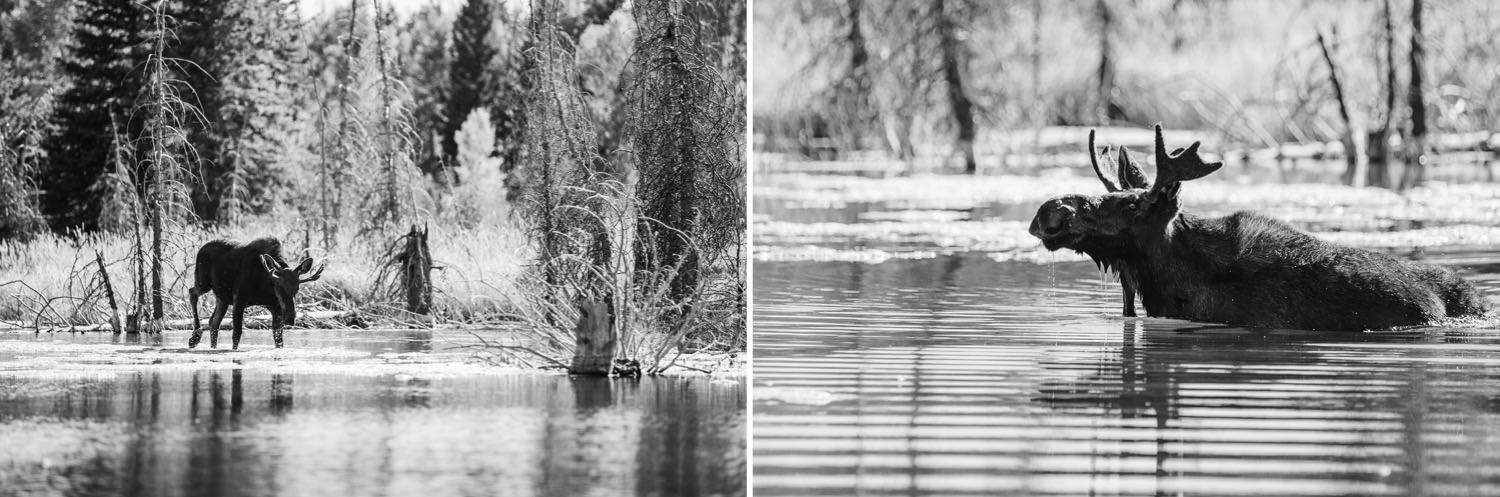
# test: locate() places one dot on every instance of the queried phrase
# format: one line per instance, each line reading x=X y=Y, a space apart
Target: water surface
x=912 y=339
x=963 y=375
x=348 y=413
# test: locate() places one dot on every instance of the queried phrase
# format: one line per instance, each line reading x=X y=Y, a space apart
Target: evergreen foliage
x=108 y=49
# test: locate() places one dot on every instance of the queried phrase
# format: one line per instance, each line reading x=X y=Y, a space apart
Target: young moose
x=1243 y=269
x=246 y=275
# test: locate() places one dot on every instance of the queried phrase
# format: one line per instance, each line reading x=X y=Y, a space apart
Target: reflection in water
x=960 y=375
x=254 y=430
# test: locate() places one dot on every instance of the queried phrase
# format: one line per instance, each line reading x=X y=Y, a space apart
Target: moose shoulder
x=1243 y=269
x=244 y=275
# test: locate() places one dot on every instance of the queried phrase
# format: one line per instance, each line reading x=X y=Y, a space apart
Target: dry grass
x=53 y=280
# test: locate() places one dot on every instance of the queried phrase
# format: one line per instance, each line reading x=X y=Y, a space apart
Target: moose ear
x=1130 y=172
x=270 y=264
x=305 y=266
x=316 y=274
x=1109 y=184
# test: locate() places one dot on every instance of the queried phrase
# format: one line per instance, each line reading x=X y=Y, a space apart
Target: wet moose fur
x=242 y=276
x=1244 y=269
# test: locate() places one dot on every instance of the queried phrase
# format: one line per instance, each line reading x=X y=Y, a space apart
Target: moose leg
x=1129 y=291
x=214 y=321
x=239 y=324
x=276 y=328
x=193 y=295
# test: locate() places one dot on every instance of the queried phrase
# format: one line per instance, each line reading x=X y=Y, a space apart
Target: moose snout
x=1051 y=219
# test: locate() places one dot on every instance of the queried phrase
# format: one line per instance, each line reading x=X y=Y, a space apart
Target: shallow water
x=348 y=413
x=911 y=339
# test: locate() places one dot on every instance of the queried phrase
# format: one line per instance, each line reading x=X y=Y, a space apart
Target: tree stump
x=594 y=351
x=416 y=272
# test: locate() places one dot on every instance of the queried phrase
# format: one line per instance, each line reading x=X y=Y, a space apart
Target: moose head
x=285 y=281
x=1132 y=213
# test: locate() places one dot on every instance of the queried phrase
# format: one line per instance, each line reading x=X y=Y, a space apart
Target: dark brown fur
x=1243 y=269
x=242 y=276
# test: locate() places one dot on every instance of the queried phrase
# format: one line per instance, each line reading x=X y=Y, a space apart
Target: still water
x=959 y=374
x=348 y=413
x=912 y=339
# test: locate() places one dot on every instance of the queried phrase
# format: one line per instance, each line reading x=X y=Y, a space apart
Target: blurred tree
x=394 y=199
x=1380 y=142
x=108 y=49
x=245 y=56
x=424 y=60
x=33 y=40
x=1354 y=132
x=509 y=105
x=955 y=69
x=470 y=81
x=1416 y=158
x=1110 y=111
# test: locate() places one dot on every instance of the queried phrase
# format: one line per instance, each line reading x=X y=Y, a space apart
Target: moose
x=1243 y=269
x=244 y=275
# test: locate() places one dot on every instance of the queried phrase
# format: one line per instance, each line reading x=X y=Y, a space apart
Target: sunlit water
x=956 y=372
x=348 y=413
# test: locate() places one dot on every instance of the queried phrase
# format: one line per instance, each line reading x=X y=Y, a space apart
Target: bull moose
x=245 y=275
x=1243 y=269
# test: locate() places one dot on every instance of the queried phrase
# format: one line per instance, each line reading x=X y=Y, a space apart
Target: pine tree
x=469 y=79
x=244 y=56
x=424 y=60
x=32 y=36
x=108 y=49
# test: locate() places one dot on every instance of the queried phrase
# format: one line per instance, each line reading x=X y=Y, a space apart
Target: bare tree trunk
x=416 y=272
x=1354 y=134
x=1379 y=151
x=953 y=73
x=1415 y=172
x=1109 y=110
x=109 y=292
x=1038 y=109
x=858 y=107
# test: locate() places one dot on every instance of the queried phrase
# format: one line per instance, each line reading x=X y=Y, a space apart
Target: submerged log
x=594 y=351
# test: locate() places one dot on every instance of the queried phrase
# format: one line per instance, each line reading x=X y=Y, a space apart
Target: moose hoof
x=193 y=341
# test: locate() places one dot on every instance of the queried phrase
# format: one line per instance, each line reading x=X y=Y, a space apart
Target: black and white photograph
x=1125 y=247
x=374 y=248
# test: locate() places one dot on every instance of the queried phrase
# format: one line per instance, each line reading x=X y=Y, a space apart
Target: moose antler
x=1181 y=165
x=1109 y=184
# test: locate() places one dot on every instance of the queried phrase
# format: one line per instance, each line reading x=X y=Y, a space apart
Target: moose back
x=1244 y=269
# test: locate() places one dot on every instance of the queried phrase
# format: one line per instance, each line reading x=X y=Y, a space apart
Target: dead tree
x=1354 y=134
x=109 y=293
x=1110 y=111
x=1379 y=151
x=954 y=64
x=416 y=272
x=1416 y=161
